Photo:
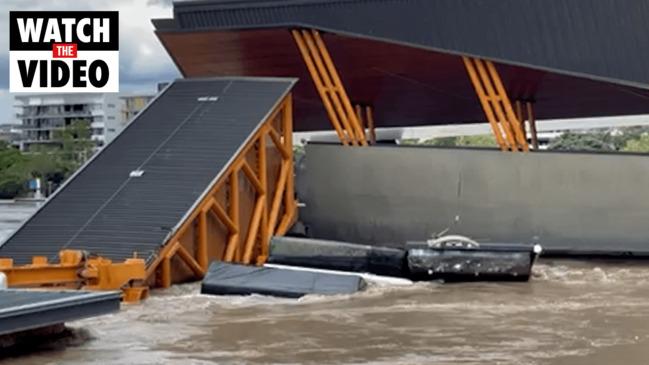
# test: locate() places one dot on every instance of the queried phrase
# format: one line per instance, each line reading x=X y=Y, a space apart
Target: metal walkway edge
x=140 y=191
x=22 y=310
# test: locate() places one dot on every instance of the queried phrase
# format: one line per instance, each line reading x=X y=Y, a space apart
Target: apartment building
x=132 y=105
x=42 y=115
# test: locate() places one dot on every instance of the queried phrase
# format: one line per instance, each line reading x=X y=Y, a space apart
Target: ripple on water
x=569 y=313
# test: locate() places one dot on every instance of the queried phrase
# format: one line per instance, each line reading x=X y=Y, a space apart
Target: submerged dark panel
x=22 y=310
x=180 y=143
x=231 y=279
x=601 y=39
x=568 y=202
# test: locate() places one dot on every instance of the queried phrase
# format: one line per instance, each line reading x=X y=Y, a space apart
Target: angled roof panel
x=180 y=143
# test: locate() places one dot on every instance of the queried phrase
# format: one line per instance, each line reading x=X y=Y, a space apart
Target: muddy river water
x=570 y=312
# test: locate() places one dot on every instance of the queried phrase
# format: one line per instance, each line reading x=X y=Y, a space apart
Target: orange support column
x=323 y=90
x=369 y=114
x=510 y=117
x=201 y=249
x=519 y=115
x=505 y=125
x=338 y=85
x=532 y=121
x=165 y=273
x=330 y=87
x=366 y=119
x=528 y=114
x=359 y=115
x=264 y=233
x=290 y=205
x=233 y=239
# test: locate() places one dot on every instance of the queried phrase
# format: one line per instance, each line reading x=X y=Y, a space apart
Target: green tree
x=461 y=141
x=49 y=163
x=626 y=134
x=484 y=140
x=640 y=144
x=14 y=172
x=298 y=152
x=605 y=140
x=76 y=145
x=409 y=141
x=582 y=142
x=441 y=142
x=58 y=161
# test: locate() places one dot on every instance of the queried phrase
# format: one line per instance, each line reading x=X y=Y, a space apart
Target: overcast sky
x=143 y=60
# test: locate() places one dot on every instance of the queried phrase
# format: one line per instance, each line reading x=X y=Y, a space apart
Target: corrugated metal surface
x=180 y=143
x=12 y=301
x=26 y=309
x=601 y=39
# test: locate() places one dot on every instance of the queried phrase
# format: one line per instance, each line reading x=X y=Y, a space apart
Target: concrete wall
x=568 y=202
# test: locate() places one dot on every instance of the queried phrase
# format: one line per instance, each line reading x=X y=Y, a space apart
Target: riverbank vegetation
x=51 y=163
x=630 y=139
x=56 y=162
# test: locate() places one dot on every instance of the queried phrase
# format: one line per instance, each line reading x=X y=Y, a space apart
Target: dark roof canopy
x=576 y=58
x=602 y=39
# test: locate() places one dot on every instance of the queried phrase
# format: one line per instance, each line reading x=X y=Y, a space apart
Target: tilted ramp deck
x=144 y=186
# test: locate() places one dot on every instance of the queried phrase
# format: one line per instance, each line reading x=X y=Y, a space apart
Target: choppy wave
x=569 y=313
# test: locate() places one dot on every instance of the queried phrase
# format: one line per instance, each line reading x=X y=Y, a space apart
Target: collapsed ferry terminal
x=203 y=182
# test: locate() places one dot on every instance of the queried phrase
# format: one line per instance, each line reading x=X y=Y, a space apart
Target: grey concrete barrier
x=570 y=203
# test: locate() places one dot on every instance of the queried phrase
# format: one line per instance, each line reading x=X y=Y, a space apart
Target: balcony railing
x=47 y=115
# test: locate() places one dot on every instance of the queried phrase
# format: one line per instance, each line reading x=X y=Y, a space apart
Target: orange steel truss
x=506 y=126
x=527 y=115
x=251 y=201
x=330 y=87
x=366 y=119
x=76 y=270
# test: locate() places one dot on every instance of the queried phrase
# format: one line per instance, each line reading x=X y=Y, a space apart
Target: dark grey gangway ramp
x=179 y=144
x=224 y=278
x=23 y=310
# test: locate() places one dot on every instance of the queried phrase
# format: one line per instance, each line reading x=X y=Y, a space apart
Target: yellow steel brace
x=330 y=87
x=192 y=245
x=77 y=270
x=488 y=85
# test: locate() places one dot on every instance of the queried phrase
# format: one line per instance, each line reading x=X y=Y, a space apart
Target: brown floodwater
x=570 y=312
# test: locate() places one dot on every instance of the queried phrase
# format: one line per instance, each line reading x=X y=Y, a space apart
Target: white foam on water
x=569 y=310
x=378 y=279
